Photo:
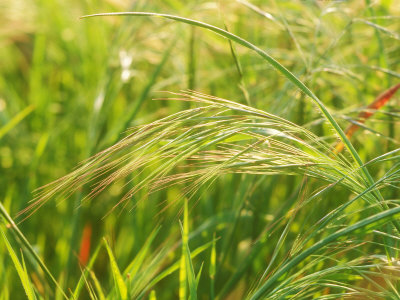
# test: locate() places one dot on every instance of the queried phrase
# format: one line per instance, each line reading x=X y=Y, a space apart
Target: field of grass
x=199 y=150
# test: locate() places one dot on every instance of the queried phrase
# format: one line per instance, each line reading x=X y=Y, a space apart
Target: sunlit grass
x=192 y=195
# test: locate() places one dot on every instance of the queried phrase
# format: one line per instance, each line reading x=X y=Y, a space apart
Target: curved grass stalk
x=283 y=70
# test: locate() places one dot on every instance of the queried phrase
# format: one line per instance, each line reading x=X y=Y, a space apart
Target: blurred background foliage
x=71 y=87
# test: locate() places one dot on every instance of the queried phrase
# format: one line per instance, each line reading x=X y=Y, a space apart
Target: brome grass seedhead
x=197 y=145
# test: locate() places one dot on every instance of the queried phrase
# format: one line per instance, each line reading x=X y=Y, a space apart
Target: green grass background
x=71 y=87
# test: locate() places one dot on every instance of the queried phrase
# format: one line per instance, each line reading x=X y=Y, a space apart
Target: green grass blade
x=90 y=291
x=379 y=28
x=119 y=281
x=322 y=243
x=241 y=84
x=29 y=248
x=182 y=276
x=191 y=64
x=174 y=267
x=89 y=266
x=22 y=273
x=212 y=269
x=190 y=275
x=97 y=286
x=152 y=295
x=199 y=275
x=16 y=120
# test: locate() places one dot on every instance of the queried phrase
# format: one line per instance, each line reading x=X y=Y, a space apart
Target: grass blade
x=29 y=248
x=174 y=267
x=322 y=243
x=119 y=281
x=22 y=273
x=97 y=286
x=190 y=276
x=16 y=120
x=212 y=269
x=89 y=266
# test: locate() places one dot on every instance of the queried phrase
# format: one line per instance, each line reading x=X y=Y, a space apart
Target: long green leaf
x=119 y=281
x=22 y=273
x=190 y=275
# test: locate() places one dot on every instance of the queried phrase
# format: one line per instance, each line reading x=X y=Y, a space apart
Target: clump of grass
x=225 y=137
x=275 y=209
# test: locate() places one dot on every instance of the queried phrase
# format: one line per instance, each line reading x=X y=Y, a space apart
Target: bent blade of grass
x=377 y=27
x=118 y=279
x=278 y=66
x=367 y=222
x=383 y=70
x=22 y=273
x=241 y=83
x=259 y=11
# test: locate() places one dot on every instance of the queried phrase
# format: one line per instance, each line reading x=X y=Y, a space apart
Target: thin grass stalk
x=191 y=68
x=29 y=248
